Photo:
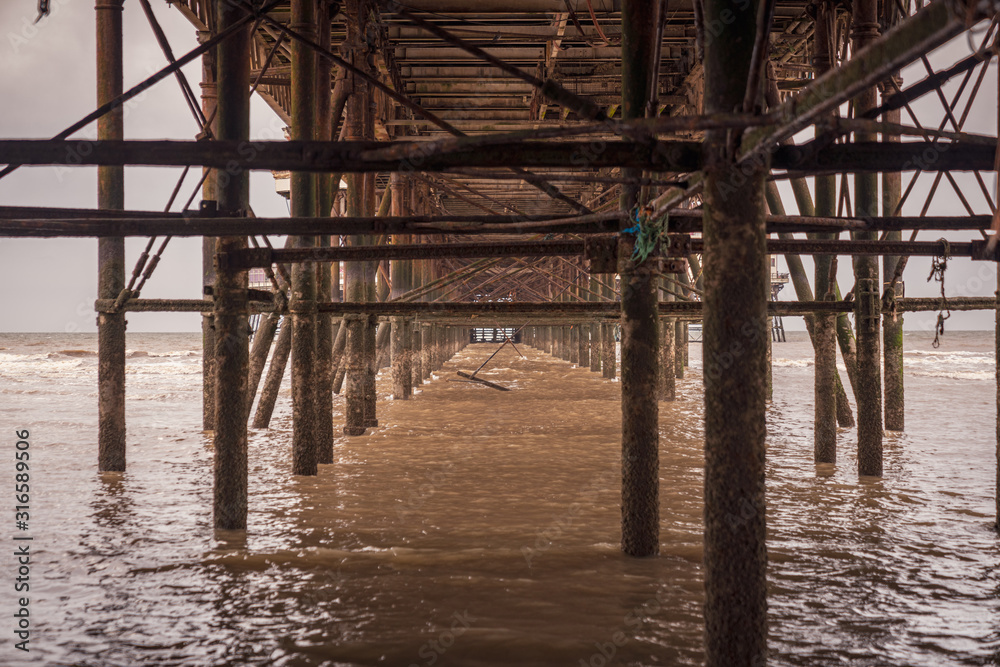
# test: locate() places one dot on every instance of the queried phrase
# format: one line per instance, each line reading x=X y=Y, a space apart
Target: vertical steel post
x=208 y=193
x=736 y=285
x=400 y=272
x=824 y=334
x=639 y=316
x=595 y=329
x=302 y=305
x=892 y=322
x=416 y=354
x=354 y=412
x=231 y=323
x=359 y=276
x=680 y=343
x=272 y=383
x=324 y=278
x=667 y=384
x=110 y=251
x=868 y=388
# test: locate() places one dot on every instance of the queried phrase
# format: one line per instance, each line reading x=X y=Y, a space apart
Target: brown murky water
x=476 y=527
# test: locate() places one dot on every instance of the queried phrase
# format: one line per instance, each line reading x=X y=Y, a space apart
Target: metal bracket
x=678 y=245
x=602 y=252
x=868 y=312
x=241 y=260
x=980 y=252
x=674 y=265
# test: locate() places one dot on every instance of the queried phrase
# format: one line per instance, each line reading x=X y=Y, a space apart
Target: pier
x=583 y=179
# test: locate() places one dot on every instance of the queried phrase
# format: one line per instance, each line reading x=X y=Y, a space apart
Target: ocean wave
x=957 y=375
x=945 y=353
x=75 y=353
x=792 y=363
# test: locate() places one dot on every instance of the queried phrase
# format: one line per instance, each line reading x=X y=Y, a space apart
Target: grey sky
x=47 y=74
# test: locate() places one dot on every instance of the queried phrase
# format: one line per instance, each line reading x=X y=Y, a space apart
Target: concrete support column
x=736 y=292
x=868 y=386
x=231 y=307
x=110 y=251
x=639 y=312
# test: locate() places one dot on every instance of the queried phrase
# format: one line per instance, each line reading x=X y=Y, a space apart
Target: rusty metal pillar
x=231 y=307
x=324 y=278
x=272 y=383
x=892 y=321
x=401 y=272
x=416 y=354
x=354 y=410
x=667 y=384
x=668 y=359
x=609 y=352
x=574 y=344
x=110 y=251
x=680 y=347
x=639 y=312
x=584 y=341
x=736 y=292
x=868 y=390
x=371 y=370
x=359 y=276
x=401 y=369
x=426 y=350
x=825 y=325
x=302 y=304
x=595 y=328
x=208 y=193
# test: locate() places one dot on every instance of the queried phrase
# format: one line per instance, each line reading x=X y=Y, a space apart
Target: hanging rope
x=938 y=268
x=648 y=232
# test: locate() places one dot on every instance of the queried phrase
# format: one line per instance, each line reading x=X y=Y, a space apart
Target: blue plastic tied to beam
x=647 y=231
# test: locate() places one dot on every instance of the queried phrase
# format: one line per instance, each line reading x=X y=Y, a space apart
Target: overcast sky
x=47 y=75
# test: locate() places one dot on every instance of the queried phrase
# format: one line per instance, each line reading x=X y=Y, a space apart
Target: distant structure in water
x=571 y=168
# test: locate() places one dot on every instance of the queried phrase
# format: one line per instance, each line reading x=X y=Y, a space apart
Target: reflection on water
x=478 y=527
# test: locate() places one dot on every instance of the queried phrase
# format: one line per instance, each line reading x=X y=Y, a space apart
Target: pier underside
x=587 y=178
